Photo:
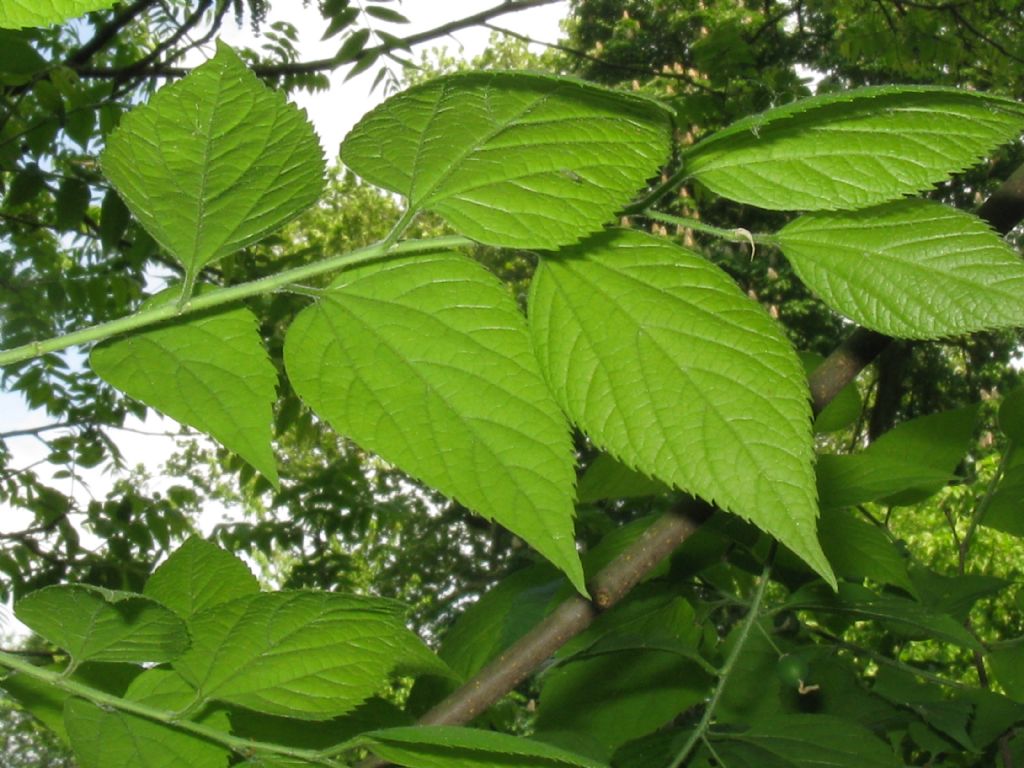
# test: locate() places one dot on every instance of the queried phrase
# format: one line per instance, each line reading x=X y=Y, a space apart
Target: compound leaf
x=199 y=575
x=658 y=356
x=96 y=624
x=308 y=655
x=427 y=362
x=914 y=269
x=15 y=14
x=512 y=159
x=209 y=371
x=214 y=162
x=855 y=149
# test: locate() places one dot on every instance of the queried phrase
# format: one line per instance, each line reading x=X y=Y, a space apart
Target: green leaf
x=630 y=675
x=96 y=624
x=114 y=220
x=103 y=738
x=317 y=734
x=308 y=655
x=209 y=371
x=25 y=187
x=804 y=741
x=954 y=595
x=906 y=465
x=854 y=149
x=1008 y=668
x=451 y=747
x=913 y=269
x=666 y=365
x=1005 y=510
x=607 y=478
x=1011 y=416
x=214 y=162
x=512 y=159
x=488 y=626
x=70 y=204
x=45 y=702
x=386 y=14
x=859 y=550
x=40 y=13
x=427 y=362
x=929 y=701
x=200 y=575
x=755 y=689
x=19 y=60
x=849 y=480
x=913 y=618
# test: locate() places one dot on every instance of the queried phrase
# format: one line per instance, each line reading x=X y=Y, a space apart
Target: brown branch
x=327 y=65
x=612 y=583
x=584 y=56
x=108 y=32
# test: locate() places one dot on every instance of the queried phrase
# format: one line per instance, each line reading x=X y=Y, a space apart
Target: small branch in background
x=327 y=65
x=108 y=32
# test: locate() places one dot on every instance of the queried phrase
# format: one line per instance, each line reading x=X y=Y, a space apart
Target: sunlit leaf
x=209 y=371
x=309 y=655
x=427 y=362
x=214 y=162
x=199 y=575
x=509 y=158
x=914 y=269
x=42 y=13
x=666 y=365
x=95 y=624
x=850 y=150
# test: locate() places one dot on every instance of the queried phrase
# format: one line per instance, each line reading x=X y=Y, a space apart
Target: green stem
x=732 y=235
x=227 y=295
x=109 y=701
x=399 y=229
x=730 y=662
x=641 y=205
x=986 y=500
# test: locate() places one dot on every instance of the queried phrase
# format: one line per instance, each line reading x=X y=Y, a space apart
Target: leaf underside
x=854 y=149
x=199 y=575
x=665 y=364
x=307 y=655
x=511 y=159
x=103 y=738
x=210 y=372
x=913 y=269
x=214 y=162
x=15 y=14
x=427 y=362
x=95 y=624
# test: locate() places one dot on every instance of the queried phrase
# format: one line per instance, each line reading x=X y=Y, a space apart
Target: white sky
x=333 y=113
